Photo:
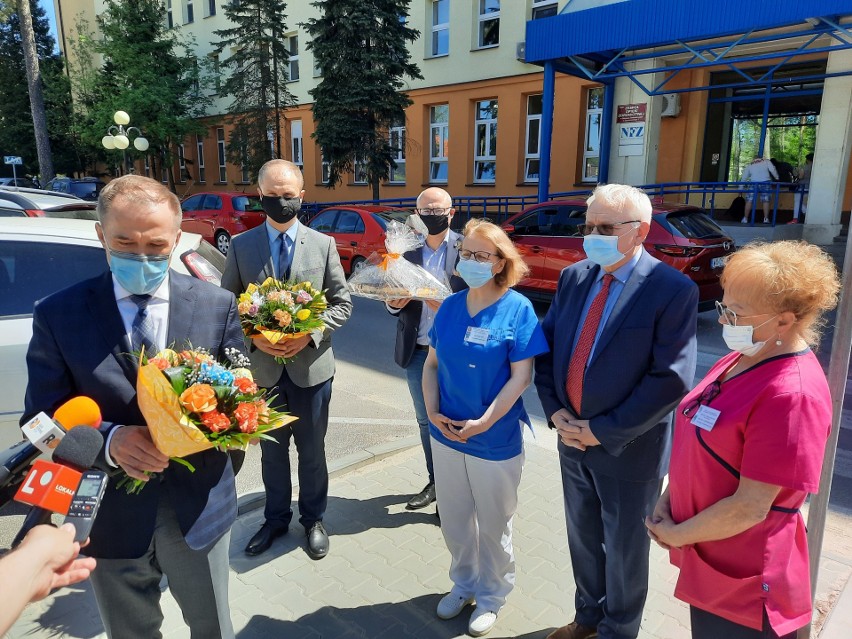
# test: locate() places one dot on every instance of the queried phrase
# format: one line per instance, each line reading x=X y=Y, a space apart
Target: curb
x=839 y=619
x=252 y=500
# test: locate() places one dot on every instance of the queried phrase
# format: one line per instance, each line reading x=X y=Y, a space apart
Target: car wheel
x=357 y=264
x=223 y=242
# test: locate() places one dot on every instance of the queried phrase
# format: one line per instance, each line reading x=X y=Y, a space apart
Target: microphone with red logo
x=50 y=486
x=43 y=435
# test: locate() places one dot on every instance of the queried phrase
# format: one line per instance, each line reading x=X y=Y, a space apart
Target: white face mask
x=739 y=338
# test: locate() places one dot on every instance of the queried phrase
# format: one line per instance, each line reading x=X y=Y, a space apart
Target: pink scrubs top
x=772 y=427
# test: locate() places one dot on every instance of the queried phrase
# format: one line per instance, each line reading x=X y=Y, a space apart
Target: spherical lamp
x=121 y=141
x=108 y=141
x=141 y=144
x=121 y=118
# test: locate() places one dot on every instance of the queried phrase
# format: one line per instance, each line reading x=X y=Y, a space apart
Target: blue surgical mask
x=475 y=274
x=138 y=274
x=602 y=249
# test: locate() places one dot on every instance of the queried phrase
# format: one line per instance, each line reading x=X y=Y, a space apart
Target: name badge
x=705 y=417
x=475 y=335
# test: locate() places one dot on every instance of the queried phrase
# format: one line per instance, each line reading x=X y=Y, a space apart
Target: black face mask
x=281 y=209
x=435 y=224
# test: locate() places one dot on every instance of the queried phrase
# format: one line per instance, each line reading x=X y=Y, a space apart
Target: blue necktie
x=285 y=258
x=143 y=331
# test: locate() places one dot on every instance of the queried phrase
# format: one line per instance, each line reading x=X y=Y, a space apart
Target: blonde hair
x=789 y=276
x=139 y=190
x=515 y=268
x=619 y=196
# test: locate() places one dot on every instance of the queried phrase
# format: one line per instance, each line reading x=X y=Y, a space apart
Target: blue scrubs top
x=474 y=357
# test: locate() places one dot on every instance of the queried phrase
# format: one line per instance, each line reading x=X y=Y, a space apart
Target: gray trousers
x=128 y=590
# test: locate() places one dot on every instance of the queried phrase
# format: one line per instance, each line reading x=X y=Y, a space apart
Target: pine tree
x=361 y=48
x=258 y=61
x=150 y=72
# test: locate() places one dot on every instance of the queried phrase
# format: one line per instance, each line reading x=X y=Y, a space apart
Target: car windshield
x=247 y=203
x=694 y=224
x=85 y=190
x=381 y=220
x=73 y=213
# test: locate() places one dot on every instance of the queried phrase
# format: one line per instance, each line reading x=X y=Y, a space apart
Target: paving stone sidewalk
x=387 y=569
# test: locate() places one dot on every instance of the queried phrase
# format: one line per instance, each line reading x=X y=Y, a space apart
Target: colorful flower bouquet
x=193 y=403
x=281 y=310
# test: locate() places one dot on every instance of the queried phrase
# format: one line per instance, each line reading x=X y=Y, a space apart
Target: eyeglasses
x=603 y=229
x=730 y=317
x=479 y=256
x=709 y=393
x=428 y=212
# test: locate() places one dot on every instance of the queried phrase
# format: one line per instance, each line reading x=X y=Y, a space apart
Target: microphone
x=44 y=435
x=50 y=486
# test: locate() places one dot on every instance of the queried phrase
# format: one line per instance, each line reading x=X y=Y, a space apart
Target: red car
x=684 y=237
x=358 y=230
x=218 y=216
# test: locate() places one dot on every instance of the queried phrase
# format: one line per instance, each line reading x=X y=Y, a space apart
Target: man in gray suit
x=439 y=256
x=83 y=336
x=285 y=249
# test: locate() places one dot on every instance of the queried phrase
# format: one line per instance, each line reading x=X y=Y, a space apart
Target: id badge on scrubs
x=476 y=335
x=705 y=417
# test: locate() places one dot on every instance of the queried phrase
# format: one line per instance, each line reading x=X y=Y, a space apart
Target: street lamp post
x=118 y=137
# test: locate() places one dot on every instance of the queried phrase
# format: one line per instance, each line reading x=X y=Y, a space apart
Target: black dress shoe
x=264 y=537
x=422 y=499
x=317 y=541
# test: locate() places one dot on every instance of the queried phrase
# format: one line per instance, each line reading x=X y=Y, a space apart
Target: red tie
x=580 y=357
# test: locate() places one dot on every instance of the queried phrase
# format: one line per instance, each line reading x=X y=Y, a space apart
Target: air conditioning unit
x=671 y=105
x=521 y=51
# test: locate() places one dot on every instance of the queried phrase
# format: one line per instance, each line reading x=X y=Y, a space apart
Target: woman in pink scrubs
x=748 y=448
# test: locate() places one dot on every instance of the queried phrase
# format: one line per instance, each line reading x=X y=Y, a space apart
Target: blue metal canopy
x=599 y=42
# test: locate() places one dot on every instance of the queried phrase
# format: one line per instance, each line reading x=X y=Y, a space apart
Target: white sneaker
x=481 y=622
x=452 y=604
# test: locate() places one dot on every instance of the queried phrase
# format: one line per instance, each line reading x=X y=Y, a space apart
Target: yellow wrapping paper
x=173 y=434
x=277 y=336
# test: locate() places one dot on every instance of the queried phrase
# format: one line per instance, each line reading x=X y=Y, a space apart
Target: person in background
x=288 y=250
x=439 y=256
x=800 y=198
x=45 y=560
x=621 y=330
x=760 y=172
x=748 y=448
x=483 y=342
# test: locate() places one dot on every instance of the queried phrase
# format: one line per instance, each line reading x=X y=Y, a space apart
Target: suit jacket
x=642 y=366
x=315 y=260
x=409 y=317
x=79 y=347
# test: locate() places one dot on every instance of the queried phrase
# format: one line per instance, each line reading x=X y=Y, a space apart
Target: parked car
x=23 y=182
x=217 y=217
x=685 y=237
x=358 y=231
x=87 y=188
x=41 y=256
x=20 y=202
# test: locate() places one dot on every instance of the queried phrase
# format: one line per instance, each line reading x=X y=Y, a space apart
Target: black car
x=24 y=182
x=87 y=188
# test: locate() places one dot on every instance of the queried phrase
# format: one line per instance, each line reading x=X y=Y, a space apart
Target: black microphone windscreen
x=79 y=448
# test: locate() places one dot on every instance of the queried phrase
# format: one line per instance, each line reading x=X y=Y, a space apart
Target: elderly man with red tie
x=621 y=331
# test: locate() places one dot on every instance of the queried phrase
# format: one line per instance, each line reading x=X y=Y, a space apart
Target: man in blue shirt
x=621 y=331
x=439 y=256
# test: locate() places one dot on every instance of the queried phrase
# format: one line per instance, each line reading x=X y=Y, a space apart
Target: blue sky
x=47 y=5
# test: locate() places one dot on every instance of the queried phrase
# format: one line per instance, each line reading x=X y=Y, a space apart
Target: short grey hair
x=621 y=196
x=139 y=190
x=281 y=165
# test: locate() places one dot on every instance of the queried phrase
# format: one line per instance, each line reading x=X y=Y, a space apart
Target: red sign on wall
x=630 y=113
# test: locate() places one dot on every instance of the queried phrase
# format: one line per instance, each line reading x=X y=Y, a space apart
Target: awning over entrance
x=600 y=42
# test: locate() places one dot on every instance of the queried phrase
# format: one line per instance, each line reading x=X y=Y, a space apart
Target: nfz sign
x=631 y=138
x=633 y=133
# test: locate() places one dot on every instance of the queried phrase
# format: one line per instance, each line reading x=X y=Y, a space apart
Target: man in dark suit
x=82 y=344
x=285 y=249
x=439 y=256
x=622 y=337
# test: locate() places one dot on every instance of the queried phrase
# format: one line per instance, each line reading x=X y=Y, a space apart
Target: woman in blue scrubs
x=483 y=343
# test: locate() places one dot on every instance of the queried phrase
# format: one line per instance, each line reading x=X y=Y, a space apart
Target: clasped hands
x=458 y=430
x=572 y=431
x=286 y=348
x=661 y=526
x=402 y=302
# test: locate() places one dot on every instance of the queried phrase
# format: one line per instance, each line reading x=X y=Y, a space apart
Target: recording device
x=86 y=502
x=44 y=436
x=50 y=487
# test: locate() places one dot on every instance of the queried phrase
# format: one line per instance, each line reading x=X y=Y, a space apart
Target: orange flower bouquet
x=193 y=403
x=281 y=310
